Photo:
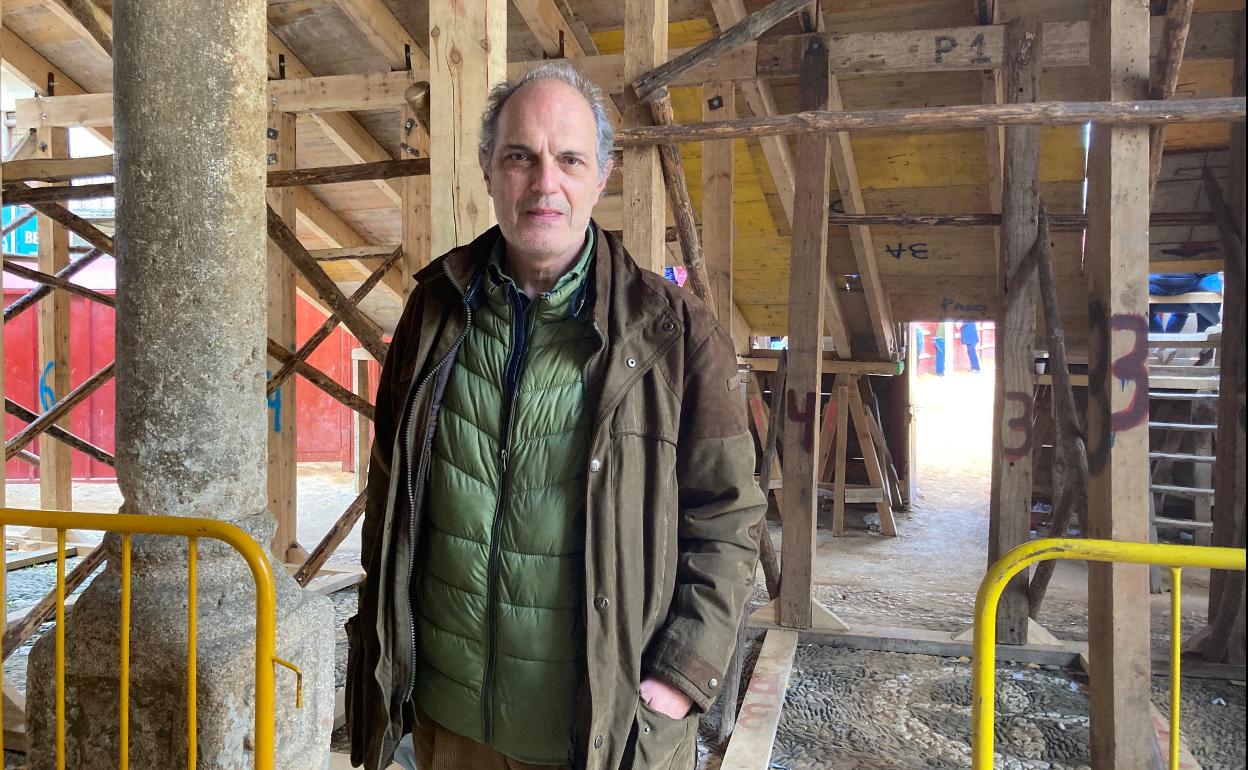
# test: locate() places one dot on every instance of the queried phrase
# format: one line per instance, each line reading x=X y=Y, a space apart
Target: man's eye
x=574 y=161
x=516 y=156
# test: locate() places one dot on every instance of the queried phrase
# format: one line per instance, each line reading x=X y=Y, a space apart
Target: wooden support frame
x=332 y=539
x=796 y=607
x=361 y=386
x=325 y=329
x=282 y=477
x=60 y=434
x=467 y=55
x=1169 y=59
x=766 y=424
x=30 y=298
x=718 y=174
x=682 y=207
x=322 y=381
x=55 y=471
x=363 y=327
x=645 y=47
x=1118 y=492
x=1222 y=640
x=1009 y=522
x=20 y=632
x=57 y=282
x=57 y=412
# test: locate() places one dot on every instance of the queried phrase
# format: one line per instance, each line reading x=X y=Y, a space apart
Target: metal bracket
x=271 y=159
x=715 y=102
x=270 y=133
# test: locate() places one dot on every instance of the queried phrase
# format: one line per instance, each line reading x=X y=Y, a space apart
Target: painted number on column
x=1019 y=426
x=804 y=417
x=1131 y=369
x=275 y=403
x=944 y=44
x=47 y=395
x=762 y=700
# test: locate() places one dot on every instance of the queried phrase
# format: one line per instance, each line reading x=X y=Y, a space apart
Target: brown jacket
x=670 y=504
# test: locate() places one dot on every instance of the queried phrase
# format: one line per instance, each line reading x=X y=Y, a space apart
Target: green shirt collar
x=566 y=296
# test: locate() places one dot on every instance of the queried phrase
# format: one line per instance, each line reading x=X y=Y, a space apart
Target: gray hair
x=565 y=73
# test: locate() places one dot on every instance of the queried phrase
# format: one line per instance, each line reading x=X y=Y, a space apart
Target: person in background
x=1173 y=284
x=918 y=343
x=970 y=338
x=938 y=344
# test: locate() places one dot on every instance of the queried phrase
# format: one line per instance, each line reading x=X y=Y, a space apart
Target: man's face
x=544 y=175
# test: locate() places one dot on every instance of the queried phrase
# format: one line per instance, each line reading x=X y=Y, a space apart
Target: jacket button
x=598 y=741
x=646 y=729
x=595 y=465
x=632 y=363
x=601 y=602
x=668 y=326
x=713 y=683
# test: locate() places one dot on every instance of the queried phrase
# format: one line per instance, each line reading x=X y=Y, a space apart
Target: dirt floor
x=861 y=709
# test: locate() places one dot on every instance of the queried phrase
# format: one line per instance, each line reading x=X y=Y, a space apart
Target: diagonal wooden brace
x=57 y=412
x=363 y=327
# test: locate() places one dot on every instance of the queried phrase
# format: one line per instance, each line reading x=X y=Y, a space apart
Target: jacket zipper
x=411 y=486
x=519 y=349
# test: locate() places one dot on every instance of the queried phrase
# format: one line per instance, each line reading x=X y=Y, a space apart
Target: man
x=970 y=338
x=558 y=537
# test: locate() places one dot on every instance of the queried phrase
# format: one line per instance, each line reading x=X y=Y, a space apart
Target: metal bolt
x=271 y=158
x=270 y=133
x=409 y=124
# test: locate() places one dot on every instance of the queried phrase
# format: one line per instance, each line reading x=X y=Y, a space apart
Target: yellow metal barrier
x=983 y=682
x=192 y=529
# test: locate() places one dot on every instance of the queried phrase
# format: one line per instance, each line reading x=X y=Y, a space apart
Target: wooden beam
x=645 y=47
x=718 y=101
x=281 y=424
x=846 y=170
x=330 y=227
x=876 y=474
x=87 y=20
x=55 y=470
x=322 y=333
x=20 y=632
x=31 y=297
x=60 y=434
x=766 y=360
x=11 y=266
x=927 y=119
x=746 y=30
x=364 y=329
x=1009 y=522
x=386 y=33
x=1117 y=268
x=415 y=194
x=1169 y=60
x=751 y=743
x=56 y=413
x=468 y=55
x=57 y=169
x=682 y=207
x=341 y=128
x=323 y=381
x=806 y=307
x=362 y=442
x=37 y=72
x=1057 y=222
x=1222 y=640
x=351 y=172
x=332 y=539
x=3 y=479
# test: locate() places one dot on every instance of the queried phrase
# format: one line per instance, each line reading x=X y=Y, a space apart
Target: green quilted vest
x=498 y=591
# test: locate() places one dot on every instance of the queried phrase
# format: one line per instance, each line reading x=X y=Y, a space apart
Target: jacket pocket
x=664 y=743
x=354 y=697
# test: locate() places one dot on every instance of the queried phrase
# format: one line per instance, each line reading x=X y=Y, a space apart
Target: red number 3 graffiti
x=1021 y=424
x=1131 y=368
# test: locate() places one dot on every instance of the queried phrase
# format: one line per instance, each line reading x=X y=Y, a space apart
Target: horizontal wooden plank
x=1180 y=457
x=1183 y=426
x=1183 y=524
x=18 y=559
x=766 y=361
x=1188 y=298
x=751 y=742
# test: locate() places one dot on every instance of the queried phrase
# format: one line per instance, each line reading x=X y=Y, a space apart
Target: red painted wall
x=324 y=427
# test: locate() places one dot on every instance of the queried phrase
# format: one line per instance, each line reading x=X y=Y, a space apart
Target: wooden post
x=414 y=194
x=360 y=387
x=718 y=101
x=467 y=55
x=282 y=476
x=55 y=482
x=1223 y=639
x=806 y=273
x=1117 y=266
x=1009 y=521
x=842 y=445
x=645 y=47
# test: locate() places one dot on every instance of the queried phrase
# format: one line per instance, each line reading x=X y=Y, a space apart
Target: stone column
x=190 y=111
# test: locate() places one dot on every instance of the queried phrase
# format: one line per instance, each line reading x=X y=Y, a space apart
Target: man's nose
x=546 y=176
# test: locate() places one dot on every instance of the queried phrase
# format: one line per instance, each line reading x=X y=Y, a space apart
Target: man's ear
x=606 y=172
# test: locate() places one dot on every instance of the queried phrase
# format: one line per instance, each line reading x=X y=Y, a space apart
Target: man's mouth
x=544 y=214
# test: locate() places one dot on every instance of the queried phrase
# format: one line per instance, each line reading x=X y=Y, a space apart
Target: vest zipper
x=516 y=358
x=424 y=465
